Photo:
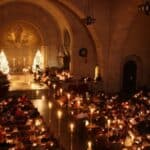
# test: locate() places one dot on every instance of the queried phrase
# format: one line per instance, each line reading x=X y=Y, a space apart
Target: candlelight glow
x=50 y=105
x=86 y=123
x=68 y=96
x=108 y=123
x=71 y=127
x=59 y=114
x=89 y=145
x=54 y=86
x=37 y=122
x=60 y=90
x=92 y=109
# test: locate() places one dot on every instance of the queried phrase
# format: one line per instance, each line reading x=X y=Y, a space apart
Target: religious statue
x=66 y=60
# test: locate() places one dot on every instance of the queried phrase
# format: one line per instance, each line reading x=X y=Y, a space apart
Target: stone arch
x=52 y=7
x=48 y=6
x=139 y=65
x=72 y=16
x=40 y=26
x=91 y=31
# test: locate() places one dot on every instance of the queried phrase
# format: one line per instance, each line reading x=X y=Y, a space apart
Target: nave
x=85 y=120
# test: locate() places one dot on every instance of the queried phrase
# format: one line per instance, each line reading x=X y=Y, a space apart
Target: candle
x=61 y=90
x=71 y=127
x=68 y=96
x=50 y=105
x=71 y=131
x=89 y=145
x=108 y=123
x=54 y=86
x=78 y=102
x=59 y=115
x=86 y=123
x=96 y=72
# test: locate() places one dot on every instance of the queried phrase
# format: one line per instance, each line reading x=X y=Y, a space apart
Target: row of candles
x=34 y=129
x=128 y=142
x=71 y=126
x=87 y=122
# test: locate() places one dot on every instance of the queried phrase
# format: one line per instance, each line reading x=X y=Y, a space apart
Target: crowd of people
x=22 y=127
x=110 y=121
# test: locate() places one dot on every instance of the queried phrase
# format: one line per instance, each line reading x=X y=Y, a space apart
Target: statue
x=66 y=60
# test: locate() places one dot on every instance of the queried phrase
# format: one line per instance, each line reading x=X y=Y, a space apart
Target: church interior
x=75 y=74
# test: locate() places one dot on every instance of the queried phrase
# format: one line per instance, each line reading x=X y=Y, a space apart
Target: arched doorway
x=129 y=76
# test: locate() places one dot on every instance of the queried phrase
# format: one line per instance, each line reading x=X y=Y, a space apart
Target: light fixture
x=145 y=7
x=89 y=12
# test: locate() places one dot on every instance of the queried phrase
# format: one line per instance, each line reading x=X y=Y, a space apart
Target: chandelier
x=145 y=7
x=88 y=12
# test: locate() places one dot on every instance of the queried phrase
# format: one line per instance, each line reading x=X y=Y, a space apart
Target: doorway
x=129 y=76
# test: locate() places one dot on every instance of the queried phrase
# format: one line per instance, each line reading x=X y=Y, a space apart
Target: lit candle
x=60 y=103
x=108 y=123
x=78 y=102
x=96 y=72
x=71 y=127
x=86 y=123
x=59 y=115
x=61 y=90
x=37 y=122
x=68 y=96
x=54 y=86
x=89 y=145
x=71 y=130
x=50 y=105
x=92 y=109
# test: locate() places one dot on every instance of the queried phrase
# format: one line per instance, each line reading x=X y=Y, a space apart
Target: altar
x=24 y=81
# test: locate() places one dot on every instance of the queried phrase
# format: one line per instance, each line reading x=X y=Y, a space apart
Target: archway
x=129 y=76
x=51 y=19
x=23 y=32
